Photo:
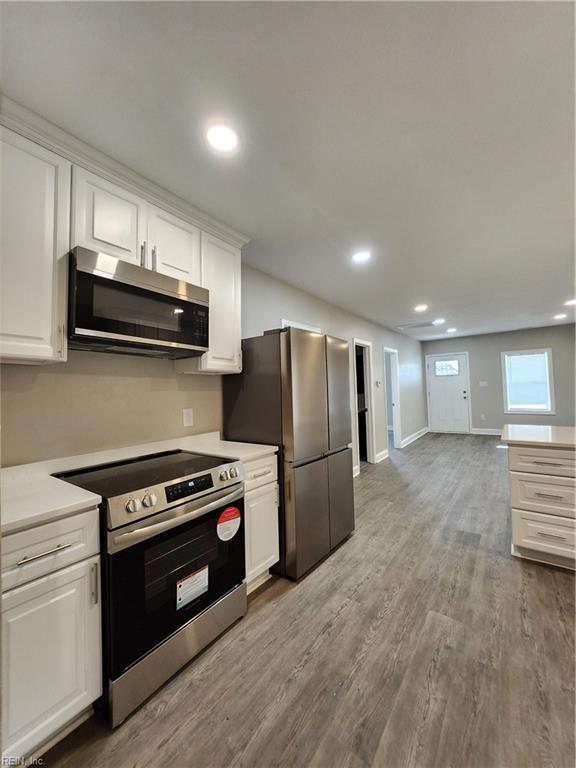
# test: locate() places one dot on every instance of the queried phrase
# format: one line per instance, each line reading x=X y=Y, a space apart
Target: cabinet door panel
x=107 y=218
x=51 y=655
x=261 y=513
x=174 y=246
x=35 y=239
x=221 y=275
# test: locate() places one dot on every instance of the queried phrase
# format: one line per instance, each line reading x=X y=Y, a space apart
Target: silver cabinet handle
x=94 y=573
x=261 y=474
x=59 y=548
x=143 y=253
x=548 y=463
x=154 y=256
x=548 y=495
x=551 y=535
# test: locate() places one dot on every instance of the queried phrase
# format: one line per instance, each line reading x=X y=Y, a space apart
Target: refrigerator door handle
x=289 y=489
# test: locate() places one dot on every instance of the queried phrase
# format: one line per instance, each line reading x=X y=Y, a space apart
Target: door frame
x=370 y=420
x=469 y=393
x=394 y=394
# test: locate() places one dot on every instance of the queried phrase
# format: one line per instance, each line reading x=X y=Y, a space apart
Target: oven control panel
x=188 y=488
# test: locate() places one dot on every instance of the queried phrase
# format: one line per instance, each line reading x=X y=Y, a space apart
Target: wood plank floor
x=419 y=642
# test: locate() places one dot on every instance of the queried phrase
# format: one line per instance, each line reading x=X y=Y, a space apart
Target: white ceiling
x=440 y=135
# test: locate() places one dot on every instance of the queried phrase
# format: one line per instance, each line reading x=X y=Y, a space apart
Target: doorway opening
x=392 y=388
x=361 y=409
x=362 y=403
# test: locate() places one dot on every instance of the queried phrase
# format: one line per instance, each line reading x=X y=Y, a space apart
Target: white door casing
x=395 y=393
x=370 y=419
x=448 y=392
x=35 y=240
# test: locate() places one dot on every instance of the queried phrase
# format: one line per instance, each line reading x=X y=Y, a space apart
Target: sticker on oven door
x=228 y=523
x=191 y=587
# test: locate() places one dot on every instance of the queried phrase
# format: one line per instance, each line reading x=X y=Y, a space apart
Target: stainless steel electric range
x=173 y=568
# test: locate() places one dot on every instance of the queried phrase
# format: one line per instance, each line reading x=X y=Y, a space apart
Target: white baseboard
x=356 y=470
x=414 y=436
x=381 y=456
x=476 y=431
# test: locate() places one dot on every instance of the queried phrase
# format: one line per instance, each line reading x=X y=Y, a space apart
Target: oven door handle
x=119 y=541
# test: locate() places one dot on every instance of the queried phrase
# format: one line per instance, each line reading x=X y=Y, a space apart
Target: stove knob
x=133 y=505
x=224 y=475
x=234 y=472
x=150 y=500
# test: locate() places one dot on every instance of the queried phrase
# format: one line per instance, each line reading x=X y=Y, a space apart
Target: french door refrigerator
x=294 y=392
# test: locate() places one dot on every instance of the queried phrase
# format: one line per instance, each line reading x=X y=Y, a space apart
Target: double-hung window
x=528 y=381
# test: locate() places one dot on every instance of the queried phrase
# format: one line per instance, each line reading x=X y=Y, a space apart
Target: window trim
x=533 y=411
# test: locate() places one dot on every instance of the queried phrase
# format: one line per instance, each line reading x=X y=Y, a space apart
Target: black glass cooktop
x=122 y=477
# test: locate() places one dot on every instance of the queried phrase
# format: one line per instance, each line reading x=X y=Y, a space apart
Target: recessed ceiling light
x=570 y=303
x=222 y=138
x=361 y=256
x=439 y=321
x=178 y=311
x=420 y=307
x=561 y=316
x=451 y=330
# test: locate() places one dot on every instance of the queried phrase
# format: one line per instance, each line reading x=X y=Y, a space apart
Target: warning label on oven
x=191 y=587
x=228 y=523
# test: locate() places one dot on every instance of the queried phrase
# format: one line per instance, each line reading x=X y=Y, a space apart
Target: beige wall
x=266 y=301
x=97 y=401
x=485 y=365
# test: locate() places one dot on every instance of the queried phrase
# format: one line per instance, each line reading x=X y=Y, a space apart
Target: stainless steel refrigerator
x=294 y=392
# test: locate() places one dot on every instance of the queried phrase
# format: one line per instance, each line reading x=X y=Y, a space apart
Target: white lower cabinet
x=34 y=244
x=51 y=655
x=262 y=546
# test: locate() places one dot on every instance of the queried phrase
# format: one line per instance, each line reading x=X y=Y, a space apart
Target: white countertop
x=30 y=495
x=539 y=434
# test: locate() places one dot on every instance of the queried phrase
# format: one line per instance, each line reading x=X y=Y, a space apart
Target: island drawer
x=38 y=551
x=543 y=493
x=542 y=461
x=544 y=533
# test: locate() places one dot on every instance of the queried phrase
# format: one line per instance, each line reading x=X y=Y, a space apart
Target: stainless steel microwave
x=114 y=306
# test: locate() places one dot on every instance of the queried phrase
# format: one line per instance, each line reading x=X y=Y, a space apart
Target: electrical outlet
x=188 y=417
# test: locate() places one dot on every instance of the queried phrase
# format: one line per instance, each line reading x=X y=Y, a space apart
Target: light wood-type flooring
x=419 y=642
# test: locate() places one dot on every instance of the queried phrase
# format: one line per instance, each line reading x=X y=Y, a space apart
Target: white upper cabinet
x=107 y=218
x=34 y=245
x=220 y=273
x=174 y=246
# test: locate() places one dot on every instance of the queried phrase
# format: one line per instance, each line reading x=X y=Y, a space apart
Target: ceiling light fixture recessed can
x=561 y=316
x=451 y=330
x=420 y=307
x=439 y=321
x=222 y=138
x=570 y=303
x=361 y=256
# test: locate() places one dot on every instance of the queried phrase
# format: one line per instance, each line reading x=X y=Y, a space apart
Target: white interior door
x=448 y=393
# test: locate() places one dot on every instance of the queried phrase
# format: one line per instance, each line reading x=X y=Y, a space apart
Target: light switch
x=188 y=417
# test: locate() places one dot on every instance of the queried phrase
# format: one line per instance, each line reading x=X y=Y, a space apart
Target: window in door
x=528 y=381
x=447 y=367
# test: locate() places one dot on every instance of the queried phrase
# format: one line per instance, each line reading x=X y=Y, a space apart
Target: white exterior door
x=108 y=219
x=448 y=393
x=261 y=515
x=34 y=244
x=51 y=655
x=174 y=246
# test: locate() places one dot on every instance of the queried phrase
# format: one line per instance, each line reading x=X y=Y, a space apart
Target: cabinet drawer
x=261 y=471
x=543 y=493
x=38 y=551
x=544 y=533
x=542 y=461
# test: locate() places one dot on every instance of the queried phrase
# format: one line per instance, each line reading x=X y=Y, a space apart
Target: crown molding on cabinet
x=27 y=123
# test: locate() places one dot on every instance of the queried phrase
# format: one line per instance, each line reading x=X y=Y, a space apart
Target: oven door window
x=113 y=307
x=157 y=586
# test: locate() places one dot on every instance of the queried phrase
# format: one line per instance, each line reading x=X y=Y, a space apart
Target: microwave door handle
x=123 y=540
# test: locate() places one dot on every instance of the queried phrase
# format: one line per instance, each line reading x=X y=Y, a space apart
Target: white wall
x=266 y=301
x=485 y=365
